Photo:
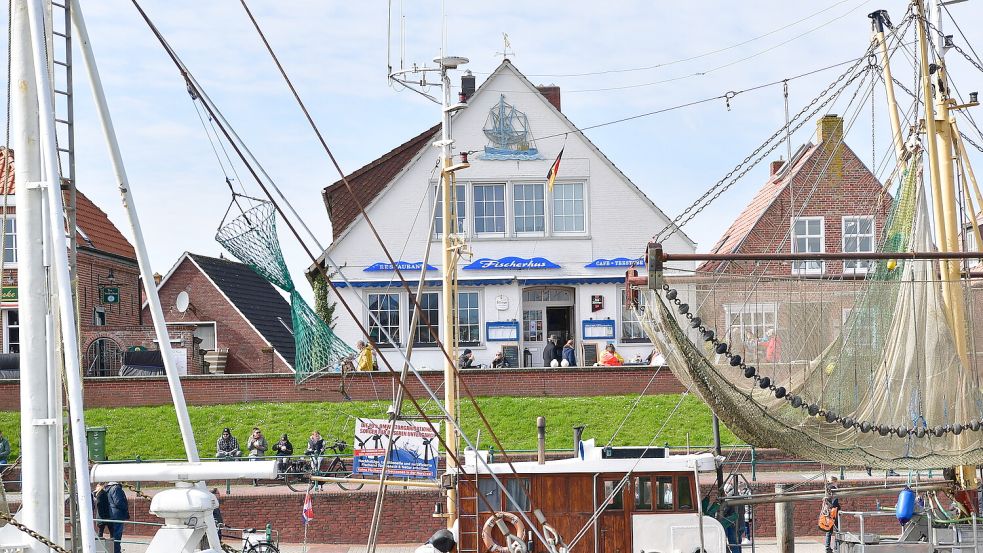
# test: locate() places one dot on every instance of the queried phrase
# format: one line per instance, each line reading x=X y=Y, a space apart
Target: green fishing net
x=252 y=239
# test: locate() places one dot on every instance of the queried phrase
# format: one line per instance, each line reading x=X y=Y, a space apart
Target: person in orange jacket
x=611 y=358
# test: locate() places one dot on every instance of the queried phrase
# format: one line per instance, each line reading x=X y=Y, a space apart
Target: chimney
x=552 y=93
x=829 y=129
x=467 y=85
x=829 y=135
x=776 y=166
x=157 y=278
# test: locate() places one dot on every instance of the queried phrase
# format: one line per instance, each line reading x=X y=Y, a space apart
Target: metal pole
x=61 y=277
x=892 y=101
x=32 y=303
x=718 y=451
x=784 y=523
x=449 y=214
x=139 y=244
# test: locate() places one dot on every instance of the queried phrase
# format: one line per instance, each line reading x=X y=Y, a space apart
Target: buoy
x=892 y=264
x=905 y=508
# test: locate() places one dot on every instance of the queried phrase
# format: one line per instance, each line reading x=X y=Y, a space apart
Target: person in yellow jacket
x=364 y=361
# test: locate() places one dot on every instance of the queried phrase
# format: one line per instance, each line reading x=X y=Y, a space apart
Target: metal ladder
x=466 y=529
x=62 y=80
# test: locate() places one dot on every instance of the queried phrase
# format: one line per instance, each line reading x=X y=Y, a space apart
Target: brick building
x=109 y=290
x=231 y=309
x=824 y=199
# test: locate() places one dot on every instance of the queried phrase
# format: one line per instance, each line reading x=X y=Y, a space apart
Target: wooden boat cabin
x=658 y=509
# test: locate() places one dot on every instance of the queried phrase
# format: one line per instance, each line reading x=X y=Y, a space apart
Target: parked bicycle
x=299 y=471
x=255 y=542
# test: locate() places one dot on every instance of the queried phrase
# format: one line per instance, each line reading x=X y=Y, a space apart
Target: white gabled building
x=545 y=262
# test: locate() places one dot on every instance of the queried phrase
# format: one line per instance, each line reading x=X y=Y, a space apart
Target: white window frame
x=804 y=267
x=620 y=330
x=552 y=211
x=732 y=310
x=383 y=341
x=506 y=200
x=434 y=321
x=861 y=266
x=12 y=236
x=6 y=330
x=462 y=228
x=515 y=214
x=481 y=317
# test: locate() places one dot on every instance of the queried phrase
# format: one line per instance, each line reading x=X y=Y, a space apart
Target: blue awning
x=571 y=280
x=429 y=283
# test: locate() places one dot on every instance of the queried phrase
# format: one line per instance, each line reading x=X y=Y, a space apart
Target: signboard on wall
x=414 y=449
x=502 y=331
x=596 y=303
x=401 y=265
x=603 y=263
x=510 y=262
x=8 y=294
x=110 y=294
x=598 y=330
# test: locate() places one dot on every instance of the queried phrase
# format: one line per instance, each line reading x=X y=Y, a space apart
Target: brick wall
x=93 y=274
x=218 y=389
x=182 y=336
x=248 y=350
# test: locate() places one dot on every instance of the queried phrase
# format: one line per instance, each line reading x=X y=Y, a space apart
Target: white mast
x=32 y=302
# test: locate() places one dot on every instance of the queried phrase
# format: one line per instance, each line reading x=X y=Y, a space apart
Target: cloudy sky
x=612 y=60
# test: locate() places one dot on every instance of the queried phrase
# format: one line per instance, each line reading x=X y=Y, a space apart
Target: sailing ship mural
x=508 y=134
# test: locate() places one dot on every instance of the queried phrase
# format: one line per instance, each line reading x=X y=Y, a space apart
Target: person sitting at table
x=611 y=358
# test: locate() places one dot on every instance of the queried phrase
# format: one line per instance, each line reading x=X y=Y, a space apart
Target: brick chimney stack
x=829 y=136
x=552 y=93
x=776 y=166
x=829 y=129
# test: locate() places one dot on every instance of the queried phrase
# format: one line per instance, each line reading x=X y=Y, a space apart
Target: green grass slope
x=152 y=432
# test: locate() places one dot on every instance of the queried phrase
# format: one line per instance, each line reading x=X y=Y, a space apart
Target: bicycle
x=255 y=542
x=299 y=471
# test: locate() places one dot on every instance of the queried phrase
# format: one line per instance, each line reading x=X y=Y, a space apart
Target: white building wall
x=620 y=221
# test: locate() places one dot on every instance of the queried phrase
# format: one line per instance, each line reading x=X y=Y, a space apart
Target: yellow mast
x=878 y=23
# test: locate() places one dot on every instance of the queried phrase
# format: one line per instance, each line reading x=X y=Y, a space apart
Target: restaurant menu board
x=590 y=354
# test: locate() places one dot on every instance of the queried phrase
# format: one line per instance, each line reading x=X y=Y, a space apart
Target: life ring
x=519 y=530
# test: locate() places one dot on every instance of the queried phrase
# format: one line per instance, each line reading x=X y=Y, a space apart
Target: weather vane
x=506 y=48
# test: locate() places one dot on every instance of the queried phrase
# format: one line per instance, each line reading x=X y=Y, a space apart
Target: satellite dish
x=182 y=302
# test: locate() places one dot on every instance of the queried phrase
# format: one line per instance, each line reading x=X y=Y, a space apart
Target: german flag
x=551 y=176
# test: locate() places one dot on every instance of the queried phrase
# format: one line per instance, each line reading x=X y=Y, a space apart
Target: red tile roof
x=94 y=229
x=739 y=230
x=370 y=180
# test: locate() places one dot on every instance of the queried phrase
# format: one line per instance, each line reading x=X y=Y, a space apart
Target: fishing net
x=844 y=371
x=252 y=239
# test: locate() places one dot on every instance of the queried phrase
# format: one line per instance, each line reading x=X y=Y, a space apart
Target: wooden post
x=784 y=525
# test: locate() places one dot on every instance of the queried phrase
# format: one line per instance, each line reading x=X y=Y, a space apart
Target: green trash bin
x=95 y=437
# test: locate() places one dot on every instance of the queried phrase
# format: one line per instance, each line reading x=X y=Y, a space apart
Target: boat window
x=643 y=492
x=684 y=494
x=518 y=488
x=664 y=500
x=616 y=502
x=492 y=494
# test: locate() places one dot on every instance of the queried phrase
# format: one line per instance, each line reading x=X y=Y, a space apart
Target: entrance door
x=546 y=311
x=558 y=323
x=612 y=524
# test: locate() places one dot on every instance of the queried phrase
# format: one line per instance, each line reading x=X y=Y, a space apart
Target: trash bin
x=95 y=437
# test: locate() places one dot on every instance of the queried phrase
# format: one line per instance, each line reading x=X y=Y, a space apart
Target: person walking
x=550 y=352
x=829 y=519
x=101 y=501
x=611 y=358
x=118 y=510
x=227 y=446
x=569 y=355
x=364 y=361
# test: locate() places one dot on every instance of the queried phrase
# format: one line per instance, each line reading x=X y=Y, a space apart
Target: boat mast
x=879 y=21
x=449 y=247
